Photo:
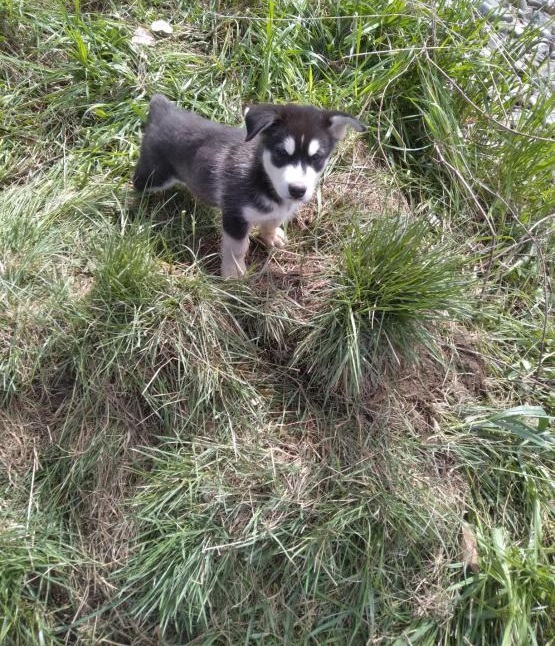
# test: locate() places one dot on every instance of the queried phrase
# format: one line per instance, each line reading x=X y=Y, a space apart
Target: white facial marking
x=289 y=145
x=313 y=147
x=294 y=174
x=282 y=177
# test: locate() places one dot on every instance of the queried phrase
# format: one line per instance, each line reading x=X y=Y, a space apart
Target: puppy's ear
x=258 y=118
x=338 y=122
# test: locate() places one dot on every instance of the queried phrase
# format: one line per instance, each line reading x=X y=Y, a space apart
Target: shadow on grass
x=188 y=231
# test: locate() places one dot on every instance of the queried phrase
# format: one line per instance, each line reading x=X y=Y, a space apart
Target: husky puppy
x=258 y=176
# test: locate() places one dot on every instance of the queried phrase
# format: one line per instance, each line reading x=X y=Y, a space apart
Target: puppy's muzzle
x=296 y=191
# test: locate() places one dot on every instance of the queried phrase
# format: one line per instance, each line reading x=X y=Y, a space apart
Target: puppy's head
x=297 y=141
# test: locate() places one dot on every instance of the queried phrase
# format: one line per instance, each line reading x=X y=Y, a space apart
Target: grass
x=301 y=534
x=36 y=573
x=353 y=445
x=516 y=549
x=388 y=285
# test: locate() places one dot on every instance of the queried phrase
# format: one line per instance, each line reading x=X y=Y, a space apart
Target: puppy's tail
x=159 y=104
x=153 y=170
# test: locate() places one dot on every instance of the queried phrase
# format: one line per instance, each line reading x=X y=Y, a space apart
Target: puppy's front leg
x=235 y=244
x=272 y=234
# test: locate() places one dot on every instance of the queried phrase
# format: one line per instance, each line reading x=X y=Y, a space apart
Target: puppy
x=258 y=176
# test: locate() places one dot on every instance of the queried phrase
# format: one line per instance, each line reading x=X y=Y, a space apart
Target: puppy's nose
x=296 y=191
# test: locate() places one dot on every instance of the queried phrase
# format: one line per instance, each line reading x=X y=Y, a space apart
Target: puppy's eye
x=281 y=153
x=318 y=157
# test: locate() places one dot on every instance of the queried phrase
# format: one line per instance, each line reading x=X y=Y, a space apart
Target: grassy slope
x=330 y=451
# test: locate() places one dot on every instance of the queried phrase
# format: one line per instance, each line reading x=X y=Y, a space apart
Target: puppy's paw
x=275 y=238
x=280 y=239
x=231 y=270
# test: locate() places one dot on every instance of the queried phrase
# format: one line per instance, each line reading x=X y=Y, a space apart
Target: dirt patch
x=469 y=364
x=426 y=390
x=24 y=435
x=364 y=185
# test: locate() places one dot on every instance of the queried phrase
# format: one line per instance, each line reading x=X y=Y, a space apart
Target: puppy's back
x=182 y=146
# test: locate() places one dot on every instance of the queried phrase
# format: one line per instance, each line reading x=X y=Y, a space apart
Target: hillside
x=352 y=445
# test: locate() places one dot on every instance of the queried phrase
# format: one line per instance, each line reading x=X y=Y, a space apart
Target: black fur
x=223 y=166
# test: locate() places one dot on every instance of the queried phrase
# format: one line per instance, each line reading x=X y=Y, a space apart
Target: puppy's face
x=294 y=163
x=296 y=144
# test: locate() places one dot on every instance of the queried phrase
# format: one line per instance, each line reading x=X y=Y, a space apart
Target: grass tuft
x=34 y=594
x=391 y=282
x=225 y=535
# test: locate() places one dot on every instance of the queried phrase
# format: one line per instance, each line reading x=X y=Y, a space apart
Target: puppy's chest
x=270 y=212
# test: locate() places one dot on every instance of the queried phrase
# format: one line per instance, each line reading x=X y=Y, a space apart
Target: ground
x=352 y=445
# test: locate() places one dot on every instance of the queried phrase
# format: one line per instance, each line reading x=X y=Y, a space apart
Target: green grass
x=37 y=572
x=390 y=283
x=353 y=445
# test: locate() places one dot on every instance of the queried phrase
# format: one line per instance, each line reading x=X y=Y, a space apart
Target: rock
x=525 y=14
x=539 y=18
x=546 y=6
x=545 y=71
x=516 y=116
x=543 y=22
x=161 y=28
x=526 y=30
x=142 y=37
x=542 y=52
x=485 y=8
